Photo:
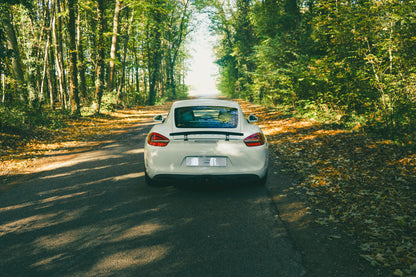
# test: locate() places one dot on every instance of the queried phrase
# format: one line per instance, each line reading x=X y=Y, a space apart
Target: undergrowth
x=22 y=121
x=404 y=134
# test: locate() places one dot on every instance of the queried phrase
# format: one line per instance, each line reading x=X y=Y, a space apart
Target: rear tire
x=262 y=181
x=149 y=181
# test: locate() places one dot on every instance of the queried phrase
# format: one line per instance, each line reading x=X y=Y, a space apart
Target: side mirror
x=158 y=118
x=252 y=118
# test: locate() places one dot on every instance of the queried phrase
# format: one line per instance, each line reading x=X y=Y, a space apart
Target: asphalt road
x=93 y=215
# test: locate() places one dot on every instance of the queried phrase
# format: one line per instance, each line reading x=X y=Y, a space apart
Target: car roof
x=205 y=102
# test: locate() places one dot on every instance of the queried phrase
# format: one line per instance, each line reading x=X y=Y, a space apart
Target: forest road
x=93 y=215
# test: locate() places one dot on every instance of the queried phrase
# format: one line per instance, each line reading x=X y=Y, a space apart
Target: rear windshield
x=206 y=117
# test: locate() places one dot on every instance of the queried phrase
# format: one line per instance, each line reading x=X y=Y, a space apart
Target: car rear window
x=206 y=117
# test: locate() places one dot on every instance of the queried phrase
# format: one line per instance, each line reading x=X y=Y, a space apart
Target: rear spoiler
x=227 y=134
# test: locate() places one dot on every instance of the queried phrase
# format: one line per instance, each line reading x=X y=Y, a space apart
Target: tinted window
x=206 y=117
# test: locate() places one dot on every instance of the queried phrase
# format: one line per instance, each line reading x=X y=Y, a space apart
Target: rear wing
x=227 y=134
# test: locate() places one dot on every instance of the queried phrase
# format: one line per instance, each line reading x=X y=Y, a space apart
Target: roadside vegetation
x=21 y=150
x=339 y=78
x=349 y=177
x=77 y=55
x=350 y=59
x=354 y=59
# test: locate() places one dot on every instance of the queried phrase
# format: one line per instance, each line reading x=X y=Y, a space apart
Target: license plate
x=206 y=161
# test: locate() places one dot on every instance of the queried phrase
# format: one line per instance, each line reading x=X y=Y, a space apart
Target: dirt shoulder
x=328 y=250
x=343 y=194
x=348 y=201
x=21 y=156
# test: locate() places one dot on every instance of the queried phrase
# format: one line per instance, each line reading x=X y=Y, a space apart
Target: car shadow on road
x=93 y=215
x=207 y=185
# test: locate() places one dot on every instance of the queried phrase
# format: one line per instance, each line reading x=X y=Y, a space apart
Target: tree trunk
x=154 y=70
x=99 y=82
x=3 y=88
x=175 y=45
x=59 y=59
x=45 y=64
x=73 y=72
x=136 y=72
x=51 y=78
x=13 y=47
x=154 y=50
x=123 y=66
x=51 y=70
x=82 y=86
x=113 y=50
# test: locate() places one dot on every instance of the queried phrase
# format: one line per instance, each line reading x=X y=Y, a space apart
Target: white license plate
x=206 y=161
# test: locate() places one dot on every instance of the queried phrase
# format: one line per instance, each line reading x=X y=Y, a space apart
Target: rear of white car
x=208 y=139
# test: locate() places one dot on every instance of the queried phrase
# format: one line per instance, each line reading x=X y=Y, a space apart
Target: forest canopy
x=83 y=53
x=355 y=59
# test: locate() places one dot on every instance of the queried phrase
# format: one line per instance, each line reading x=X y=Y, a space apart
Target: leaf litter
x=350 y=178
x=19 y=153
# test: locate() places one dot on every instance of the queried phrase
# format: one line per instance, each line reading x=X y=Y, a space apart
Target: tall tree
x=73 y=72
x=81 y=60
x=114 y=42
x=243 y=45
x=222 y=17
x=59 y=53
x=50 y=55
x=291 y=16
x=13 y=48
x=100 y=65
x=121 y=86
x=176 y=34
x=154 y=47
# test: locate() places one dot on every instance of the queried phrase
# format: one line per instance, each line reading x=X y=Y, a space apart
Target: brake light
x=156 y=139
x=256 y=139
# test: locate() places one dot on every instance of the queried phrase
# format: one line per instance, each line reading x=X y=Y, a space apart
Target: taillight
x=256 y=139
x=156 y=139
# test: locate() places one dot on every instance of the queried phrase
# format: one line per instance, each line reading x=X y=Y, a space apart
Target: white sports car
x=205 y=139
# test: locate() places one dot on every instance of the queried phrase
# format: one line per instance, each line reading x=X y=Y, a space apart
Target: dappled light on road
x=89 y=205
x=129 y=176
x=77 y=136
x=93 y=215
x=128 y=259
x=144 y=229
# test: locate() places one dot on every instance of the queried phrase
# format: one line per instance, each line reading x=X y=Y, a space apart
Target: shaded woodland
x=81 y=53
x=355 y=60
x=349 y=60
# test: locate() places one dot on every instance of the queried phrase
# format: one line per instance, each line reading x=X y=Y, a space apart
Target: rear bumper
x=241 y=160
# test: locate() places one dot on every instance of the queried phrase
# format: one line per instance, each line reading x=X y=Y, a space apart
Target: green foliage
x=182 y=92
x=12 y=120
x=21 y=120
x=275 y=78
x=356 y=58
x=148 y=63
x=109 y=101
x=3 y=49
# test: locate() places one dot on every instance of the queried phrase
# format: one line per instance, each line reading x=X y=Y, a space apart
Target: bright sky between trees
x=203 y=71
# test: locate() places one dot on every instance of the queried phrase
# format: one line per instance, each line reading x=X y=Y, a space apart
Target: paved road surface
x=93 y=215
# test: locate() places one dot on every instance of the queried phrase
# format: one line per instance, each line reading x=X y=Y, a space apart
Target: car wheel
x=262 y=181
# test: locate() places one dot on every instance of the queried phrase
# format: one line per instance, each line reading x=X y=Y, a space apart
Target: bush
x=18 y=120
x=12 y=120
